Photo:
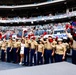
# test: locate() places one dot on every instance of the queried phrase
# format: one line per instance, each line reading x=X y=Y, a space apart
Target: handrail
x=29 y=5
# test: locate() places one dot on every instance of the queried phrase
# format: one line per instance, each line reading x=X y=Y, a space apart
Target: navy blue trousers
x=32 y=55
x=48 y=56
x=74 y=56
x=39 y=58
x=2 y=55
x=11 y=54
x=19 y=54
x=45 y=56
x=15 y=55
x=26 y=56
x=58 y=58
x=8 y=54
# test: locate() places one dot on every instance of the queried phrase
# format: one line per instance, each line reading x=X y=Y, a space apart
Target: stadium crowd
x=37 y=30
x=30 y=51
x=37 y=18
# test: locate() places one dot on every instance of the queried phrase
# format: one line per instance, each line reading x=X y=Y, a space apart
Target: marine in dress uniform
x=19 y=47
x=49 y=51
x=33 y=49
x=40 y=53
x=26 y=51
x=59 y=51
x=3 y=50
x=45 y=47
x=66 y=46
x=15 y=51
x=9 y=49
x=54 y=43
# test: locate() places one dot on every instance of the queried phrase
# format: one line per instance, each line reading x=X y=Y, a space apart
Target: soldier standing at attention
x=15 y=51
x=49 y=50
x=45 y=47
x=54 y=43
x=60 y=51
x=9 y=49
x=19 y=47
x=26 y=49
x=33 y=49
x=66 y=46
x=40 y=53
x=3 y=50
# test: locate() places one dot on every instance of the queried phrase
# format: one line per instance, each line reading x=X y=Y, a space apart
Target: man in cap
x=38 y=39
x=49 y=50
x=26 y=51
x=65 y=43
x=15 y=50
x=33 y=49
x=40 y=52
x=54 y=43
x=9 y=49
x=59 y=51
x=3 y=49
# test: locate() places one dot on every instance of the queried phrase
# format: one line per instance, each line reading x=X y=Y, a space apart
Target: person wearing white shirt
x=22 y=51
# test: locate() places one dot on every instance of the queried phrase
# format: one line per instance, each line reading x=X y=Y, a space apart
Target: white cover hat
x=59 y=39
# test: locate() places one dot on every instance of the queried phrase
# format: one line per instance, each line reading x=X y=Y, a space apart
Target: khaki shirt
x=54 y=43
x=60 y=49
x=66 y=45
x=74 y=44
x=3 y=46
x=19 y=44
x=45 y=45
x=9 y=44
x=40 y=48
x=33 y=44
x=15 y=44
x=27 y=42
x=49 y=45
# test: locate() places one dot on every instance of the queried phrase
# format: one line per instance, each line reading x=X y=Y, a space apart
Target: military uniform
x=59 y=52
x=9 y=50
x=3 y=50
x=45 y=48
x=15 y=51
x=49 y=50
x=54 y=43
x=19 y=47
x=33 y=45
x=67 y=48
x=26 y=52
x=40 y=54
